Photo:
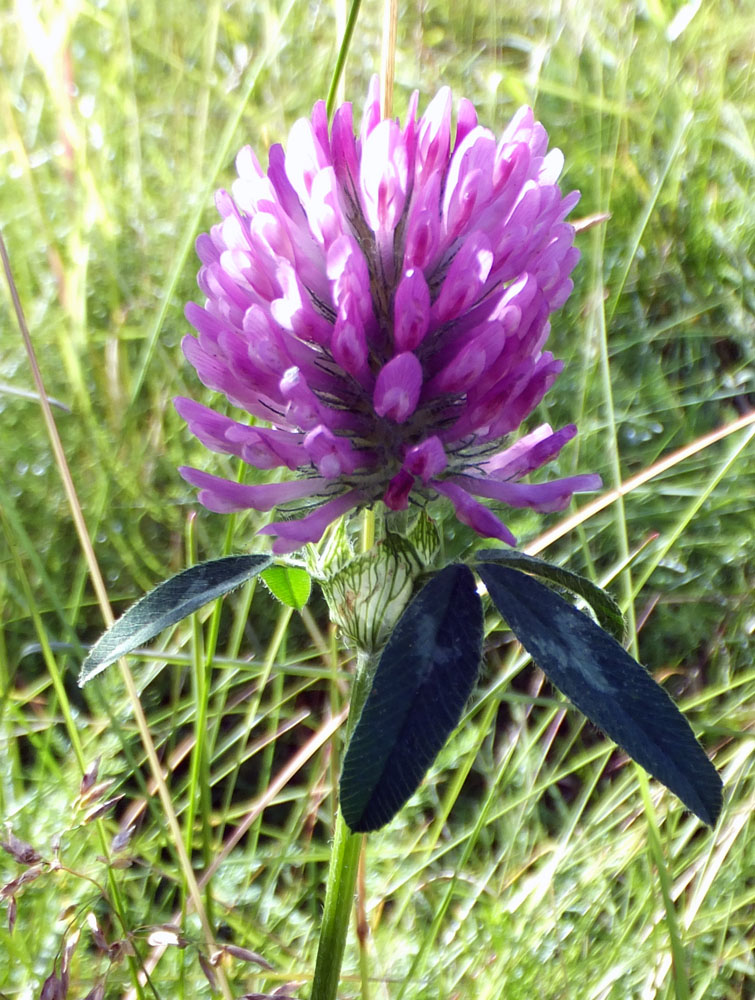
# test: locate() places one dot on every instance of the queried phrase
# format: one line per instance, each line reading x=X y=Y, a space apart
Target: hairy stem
x=344 y=865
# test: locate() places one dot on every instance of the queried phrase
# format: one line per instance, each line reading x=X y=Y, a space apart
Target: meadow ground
x=534 y=861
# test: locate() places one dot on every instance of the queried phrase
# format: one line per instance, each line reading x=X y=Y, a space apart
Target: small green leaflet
x=607 y=685
x=168 y=603
x=290 y=584
x=607 y=611
x=422 y=682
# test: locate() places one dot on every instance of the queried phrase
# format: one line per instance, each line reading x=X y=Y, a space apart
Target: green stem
x=339 y=900
x=344 y=865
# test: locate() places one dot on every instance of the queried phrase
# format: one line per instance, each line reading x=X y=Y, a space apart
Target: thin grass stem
x=343 y=51
x=388 y=56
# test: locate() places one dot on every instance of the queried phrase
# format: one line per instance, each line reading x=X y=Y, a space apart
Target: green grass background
x=526 y=865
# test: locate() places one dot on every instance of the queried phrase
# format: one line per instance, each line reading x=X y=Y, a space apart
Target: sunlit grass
x=522 y=867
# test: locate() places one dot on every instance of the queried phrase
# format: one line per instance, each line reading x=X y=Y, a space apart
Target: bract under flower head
x=381 y=303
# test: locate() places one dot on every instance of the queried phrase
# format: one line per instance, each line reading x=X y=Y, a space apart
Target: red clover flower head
x=380 y=304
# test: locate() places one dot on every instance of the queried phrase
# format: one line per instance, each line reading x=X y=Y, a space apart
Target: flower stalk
x=339 y=902
x=343 y=868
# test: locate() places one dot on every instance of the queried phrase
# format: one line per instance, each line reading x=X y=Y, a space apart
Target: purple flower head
x=379 y=305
